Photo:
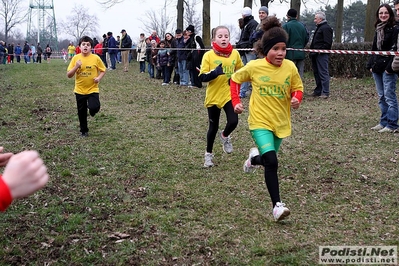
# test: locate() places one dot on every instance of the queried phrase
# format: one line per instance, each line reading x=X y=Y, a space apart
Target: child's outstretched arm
x=211 y=75
x=235 y=99
x=72 y=72
x=296 y=99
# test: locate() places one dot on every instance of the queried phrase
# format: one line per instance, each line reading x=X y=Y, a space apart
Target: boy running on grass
x=89 y=70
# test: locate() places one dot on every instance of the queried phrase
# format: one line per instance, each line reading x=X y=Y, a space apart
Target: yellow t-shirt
x=270 y=102
x=85 y=75
x=71 y=49
x=218 y=90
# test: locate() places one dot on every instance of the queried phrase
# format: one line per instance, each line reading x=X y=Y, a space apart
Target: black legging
x=91 y=101
x=214 y=116
x=270 y=163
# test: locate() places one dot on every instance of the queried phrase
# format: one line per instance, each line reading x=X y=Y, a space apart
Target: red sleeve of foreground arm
x=298 y=95
x=5 y=195
x=234 y=91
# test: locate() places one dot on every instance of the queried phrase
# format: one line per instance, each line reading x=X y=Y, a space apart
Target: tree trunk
x=340 y=21
x=296 y=4
x=180 y=11
x=206 y=23
x=248 y=3
x=371 y=9
x=265 y=2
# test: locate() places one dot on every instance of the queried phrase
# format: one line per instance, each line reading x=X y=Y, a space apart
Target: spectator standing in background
x=112 y=50
x=25 y=51
x=148 y=56
x=18 y=52
x=125 y=46
x=297 y=38
x=322 y=39
x=39 y=53
x=33 y=52
x=250 y=26
x=141 y=49
x=10 y=50
x=154 y=36
x=380 y=66
x=105 y=50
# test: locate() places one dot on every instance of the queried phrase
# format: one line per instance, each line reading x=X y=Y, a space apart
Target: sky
x=130 y=13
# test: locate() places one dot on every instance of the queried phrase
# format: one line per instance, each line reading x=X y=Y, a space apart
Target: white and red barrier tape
x=386 y=53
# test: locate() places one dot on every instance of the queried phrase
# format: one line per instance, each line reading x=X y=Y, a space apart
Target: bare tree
x=80 y=23
x=206 y=22
x=340 y=21
x=191 y=15
x=109 y=3
x=155 y=22
x=12 y=15
x=371 y=8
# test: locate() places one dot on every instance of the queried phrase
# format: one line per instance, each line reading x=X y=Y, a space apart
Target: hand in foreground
x=239 y=108
x=4 y=157
x=24 y=174
x=295 y=103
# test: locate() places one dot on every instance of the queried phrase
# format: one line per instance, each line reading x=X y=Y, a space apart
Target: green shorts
x=265 y=140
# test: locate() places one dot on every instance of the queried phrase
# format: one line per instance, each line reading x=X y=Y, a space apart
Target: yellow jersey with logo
x=218 y=90
x=270 y=102
x=88 y=71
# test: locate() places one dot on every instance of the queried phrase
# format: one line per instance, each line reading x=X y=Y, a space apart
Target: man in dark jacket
x=250 y=25
x=10 y=49
x=182 y=59
x=112 y=50
x=25 y=51
x=298 y=38
x=322 y=39
x=39 y=53
x=125 y=46
x=105 y=50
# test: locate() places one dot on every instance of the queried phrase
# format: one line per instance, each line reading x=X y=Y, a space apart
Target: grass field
x=135 y=192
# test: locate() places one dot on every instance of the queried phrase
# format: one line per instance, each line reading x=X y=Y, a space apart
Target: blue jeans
x=321 y=74
x=385 y=84
x=112 y=58
x=142 y=66
x=183 y=72
x=26 y=57
x=165 y=74
x=300 y=65
x=246 y=86
x=151 y=70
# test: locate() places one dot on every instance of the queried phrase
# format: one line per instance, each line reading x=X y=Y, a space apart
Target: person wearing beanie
x=216 y=68
x=298 y=38
x=277 y=87
x=250 y=25
x=246 y=12
x=257 y=34
x=194 y=56
x=263 y=10
x=322 y=39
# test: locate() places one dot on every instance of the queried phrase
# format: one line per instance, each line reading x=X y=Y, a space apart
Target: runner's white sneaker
x=226 y=142
x=208 y=159
x=280 y=212
x=248 y=167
